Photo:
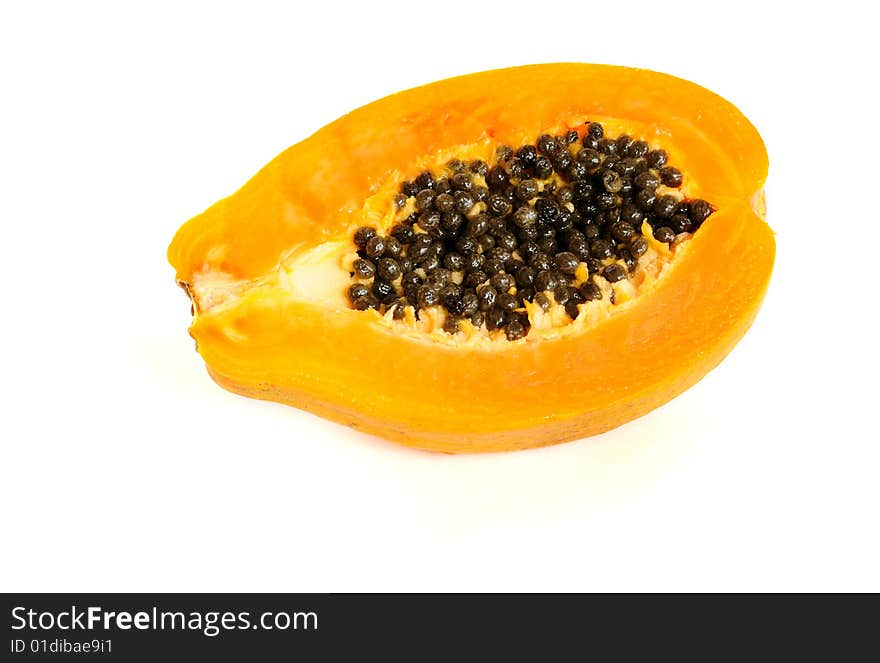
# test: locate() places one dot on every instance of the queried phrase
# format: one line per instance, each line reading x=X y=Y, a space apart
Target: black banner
x=398 y=627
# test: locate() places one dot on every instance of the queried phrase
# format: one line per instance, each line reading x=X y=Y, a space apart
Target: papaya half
x=497 y=261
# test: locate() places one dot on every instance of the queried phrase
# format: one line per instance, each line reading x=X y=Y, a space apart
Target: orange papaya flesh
x=268 y=268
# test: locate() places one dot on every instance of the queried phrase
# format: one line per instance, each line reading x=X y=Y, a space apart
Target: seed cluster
x=484 y=240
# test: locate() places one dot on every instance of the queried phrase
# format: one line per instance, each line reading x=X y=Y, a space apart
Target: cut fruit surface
x=278 y=271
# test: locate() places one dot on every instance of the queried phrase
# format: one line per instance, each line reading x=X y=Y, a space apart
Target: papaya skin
x=345 y=366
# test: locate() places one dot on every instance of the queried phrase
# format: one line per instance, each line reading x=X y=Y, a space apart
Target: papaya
x=497 y=261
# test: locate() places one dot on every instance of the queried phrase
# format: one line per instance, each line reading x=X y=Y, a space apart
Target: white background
x=125 y=468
